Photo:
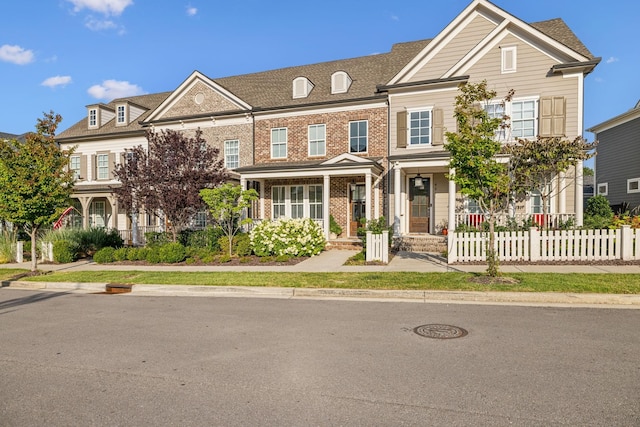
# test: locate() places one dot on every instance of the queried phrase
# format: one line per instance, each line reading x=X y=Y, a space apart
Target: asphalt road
x=124 y=360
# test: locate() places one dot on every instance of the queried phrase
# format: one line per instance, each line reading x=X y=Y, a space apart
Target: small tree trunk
x=34 y=257
x=492 y=259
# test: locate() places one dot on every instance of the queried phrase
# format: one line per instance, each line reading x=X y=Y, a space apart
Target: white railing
x=551 y=221
x=378 y=247
x=548 y=245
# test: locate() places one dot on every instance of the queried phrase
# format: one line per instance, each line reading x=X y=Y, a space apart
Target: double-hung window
x=297 y=201
x=231 y=154
x=74 y=165
x=358 y=135
x=315 y=202
x=419 y=127
x=279 y=143
x=317 y=140
x=121 y=114
x=524 y=118
x=93 y=117
x=495 y=110
x=102 y=166
x=279 y=202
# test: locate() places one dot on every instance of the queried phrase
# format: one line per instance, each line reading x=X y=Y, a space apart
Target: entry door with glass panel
x=358 y=209
x=419 y=203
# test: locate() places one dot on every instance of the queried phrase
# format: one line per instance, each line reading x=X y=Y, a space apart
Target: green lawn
x=6 y=273
x=528 y=282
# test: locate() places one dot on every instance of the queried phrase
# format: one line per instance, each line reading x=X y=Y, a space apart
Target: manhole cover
x=442 y=332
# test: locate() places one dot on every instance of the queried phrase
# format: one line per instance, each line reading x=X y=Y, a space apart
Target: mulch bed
x=251 y=260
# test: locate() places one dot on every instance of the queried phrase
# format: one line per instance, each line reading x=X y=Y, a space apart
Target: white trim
x=407 y=201
x=505 y=52
x=344 y=79
x=96 y=123
x=349 y=136
x=419 y=110
x=425 y=91
x=305 y=90
x=637 y=182
x=237 y=147
x=306 y=204
x=280 y=174
x=508 y=108
x=286 y=143
x=183 y=90
x=604 y=185
x=342 y=158
x=324 y=140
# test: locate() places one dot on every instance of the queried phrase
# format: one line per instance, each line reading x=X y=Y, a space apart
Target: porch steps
x=429 y=243
x=345 y=244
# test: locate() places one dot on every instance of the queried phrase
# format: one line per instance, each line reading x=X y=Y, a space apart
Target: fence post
x=626 y=240
x=369 y=251
x=534 y=244
x=451 y=256
x=385 y=246
x=19 y=250
x=47 y=251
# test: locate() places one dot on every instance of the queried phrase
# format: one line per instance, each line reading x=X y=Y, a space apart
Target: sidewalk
x=333 y=261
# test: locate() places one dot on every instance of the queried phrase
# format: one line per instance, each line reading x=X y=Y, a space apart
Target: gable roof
x=618 y=120
x=554 y=33
x=81 y=130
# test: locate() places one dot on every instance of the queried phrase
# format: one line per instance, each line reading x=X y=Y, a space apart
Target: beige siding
x=530 y=79
x=457 y=48
x=212 y=102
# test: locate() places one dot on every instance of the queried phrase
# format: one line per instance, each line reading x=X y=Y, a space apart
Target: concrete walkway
x=333 y=261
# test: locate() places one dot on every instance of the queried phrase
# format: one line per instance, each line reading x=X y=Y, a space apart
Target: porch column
x=562 y=193
x=243 y=186
x=262 y=199
x=86 y=203
x=452 y=202
x=367 y=199
x=113 y=202
x=326 y=190
x=397 y=177
x=376 y=197
x=579 y=194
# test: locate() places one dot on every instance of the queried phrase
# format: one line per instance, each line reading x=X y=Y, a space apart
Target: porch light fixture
x=418 y=181
x=353 y=187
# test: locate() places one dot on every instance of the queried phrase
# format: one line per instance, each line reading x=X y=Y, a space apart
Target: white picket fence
x=378 y=247
x=548 y=245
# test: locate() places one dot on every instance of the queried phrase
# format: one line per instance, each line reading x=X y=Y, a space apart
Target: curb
x=529 y=298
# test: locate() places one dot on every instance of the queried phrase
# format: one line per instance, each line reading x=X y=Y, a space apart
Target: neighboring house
x=617 y=166
x=357 y=138
x=8 y=136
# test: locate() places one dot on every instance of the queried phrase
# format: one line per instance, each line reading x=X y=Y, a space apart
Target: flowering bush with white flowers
x=292 y=237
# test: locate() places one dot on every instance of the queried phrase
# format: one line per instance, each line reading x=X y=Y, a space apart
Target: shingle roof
x=273 y=88
x=558 y=30
x=150 y=102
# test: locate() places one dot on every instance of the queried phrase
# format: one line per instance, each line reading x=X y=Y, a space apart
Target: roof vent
x=302 y=87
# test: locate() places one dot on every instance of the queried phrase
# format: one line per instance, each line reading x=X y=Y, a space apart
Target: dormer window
x=121 y=114
x=340 y=82
x=302 y=87
x=93 y=117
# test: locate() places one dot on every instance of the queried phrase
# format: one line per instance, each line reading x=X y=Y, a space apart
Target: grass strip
x=527 y=282
x=7 y=273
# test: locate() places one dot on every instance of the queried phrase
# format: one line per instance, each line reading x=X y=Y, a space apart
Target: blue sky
x=62 y=55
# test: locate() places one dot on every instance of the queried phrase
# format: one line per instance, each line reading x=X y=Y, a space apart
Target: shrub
x=243 y=244
x=224 y=258
x=172 y=253
x=153 y=255
x=133 y=254
x=598 y=206
x=376 y=226
x=206 y=238
x=294 y=237
x=120 y=254
x=245 y=259
x=334 y=227
x=7 y=246
x=104 y=255
x=282 y=258
x=63 y=251
x=157 y=239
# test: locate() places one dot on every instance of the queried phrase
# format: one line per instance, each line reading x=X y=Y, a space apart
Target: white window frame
x=231 y=153
x=536 y=113
x=505 y=53
x=358 y=137
x=531 y=206
x=74 y=165
x=430 y=127
x=102 y=166
x=121 y=114
x=320 y=144
x=605 y=189
x=279 y=143
x=285 y=208
x=93 y=117
x=501 y=132
x=98 y=210
x=316 y=211
x=633 y=181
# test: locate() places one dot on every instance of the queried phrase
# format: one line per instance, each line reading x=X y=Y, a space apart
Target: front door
x=357 y=208
x=419 y=203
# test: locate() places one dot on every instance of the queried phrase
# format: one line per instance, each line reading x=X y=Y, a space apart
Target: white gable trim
x=345 y=158
x=191 y=81
x=463 y=19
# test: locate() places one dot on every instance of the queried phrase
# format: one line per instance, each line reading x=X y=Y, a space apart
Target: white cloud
x=57 y=81
x=112 y=89
x=599 y=79
x=612 y=59
x=16 y=54
x=99 y=24
x=395 y=18
x=192 y=11
x=106 y=7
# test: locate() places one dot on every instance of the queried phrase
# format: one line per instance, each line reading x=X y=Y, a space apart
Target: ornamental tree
x=227 y=205
x=167 y=177
x=536 y=165
x=35 y=180
x=474 y=150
